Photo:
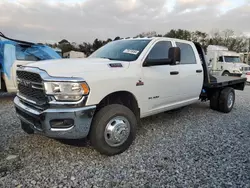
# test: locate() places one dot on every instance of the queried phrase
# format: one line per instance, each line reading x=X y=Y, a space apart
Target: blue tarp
x=10 y=51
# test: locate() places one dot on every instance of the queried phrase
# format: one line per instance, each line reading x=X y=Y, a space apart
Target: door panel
x=161 y=82
x=162 y=87
x=191 y=72
x=191 y=81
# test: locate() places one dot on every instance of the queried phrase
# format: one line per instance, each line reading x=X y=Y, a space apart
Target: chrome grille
x=30 y=87
x=29 y=76
x=246 y=68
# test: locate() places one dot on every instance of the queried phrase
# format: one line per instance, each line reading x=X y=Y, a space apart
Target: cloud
x=85 y=20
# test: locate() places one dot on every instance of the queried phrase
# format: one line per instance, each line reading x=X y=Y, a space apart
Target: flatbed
x=223 y=81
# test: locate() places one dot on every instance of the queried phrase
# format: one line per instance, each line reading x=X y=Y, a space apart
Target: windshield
x=123 y=50
x=232 y=59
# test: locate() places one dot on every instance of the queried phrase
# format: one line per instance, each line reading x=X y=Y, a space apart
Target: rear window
x=187 y=53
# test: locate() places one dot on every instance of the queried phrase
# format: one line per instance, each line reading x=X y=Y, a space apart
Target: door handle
x=174 y=73
x=198 y=71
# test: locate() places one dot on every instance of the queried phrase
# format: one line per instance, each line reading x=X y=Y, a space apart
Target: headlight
x=66 y=91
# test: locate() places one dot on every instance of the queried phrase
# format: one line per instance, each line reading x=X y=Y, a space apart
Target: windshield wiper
x=107 y=58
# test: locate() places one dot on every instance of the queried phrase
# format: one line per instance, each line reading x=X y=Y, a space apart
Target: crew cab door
x=161 y=82
x=191 y=72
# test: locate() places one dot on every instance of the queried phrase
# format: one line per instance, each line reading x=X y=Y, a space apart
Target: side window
x=160 y=50
x=220 y=59
x=187 y=53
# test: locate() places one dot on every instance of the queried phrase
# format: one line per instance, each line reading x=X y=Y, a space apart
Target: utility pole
x=248 y=49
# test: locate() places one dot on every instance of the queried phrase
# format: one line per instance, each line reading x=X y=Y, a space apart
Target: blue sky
x=85 y=20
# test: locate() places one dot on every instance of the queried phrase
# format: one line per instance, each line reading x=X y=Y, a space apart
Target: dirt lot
x=194 y=147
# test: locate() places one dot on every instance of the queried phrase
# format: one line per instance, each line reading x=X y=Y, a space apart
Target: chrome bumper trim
x=82 y=120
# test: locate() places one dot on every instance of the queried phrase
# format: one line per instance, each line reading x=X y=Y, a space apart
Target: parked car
x=104 y=96
x=15 y=53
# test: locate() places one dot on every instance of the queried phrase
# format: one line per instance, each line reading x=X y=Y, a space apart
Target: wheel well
x=121 y=97
x=225 y=71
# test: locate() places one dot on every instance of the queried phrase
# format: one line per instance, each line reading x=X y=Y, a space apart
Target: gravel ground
x=194 y=147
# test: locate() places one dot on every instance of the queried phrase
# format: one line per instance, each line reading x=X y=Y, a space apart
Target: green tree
x=117 y=38
x=86 y=48
x=97 y=44
x=179 y=34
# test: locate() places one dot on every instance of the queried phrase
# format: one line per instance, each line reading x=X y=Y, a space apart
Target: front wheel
x=226 y=73
x=113 y=129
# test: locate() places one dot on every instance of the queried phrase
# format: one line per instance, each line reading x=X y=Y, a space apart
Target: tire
x=26 y=128
x=226 y=95
x=214 y=100
x=100 y=124
x=226 y=73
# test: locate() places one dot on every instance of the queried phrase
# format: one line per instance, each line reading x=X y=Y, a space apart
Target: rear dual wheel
x=223 y=100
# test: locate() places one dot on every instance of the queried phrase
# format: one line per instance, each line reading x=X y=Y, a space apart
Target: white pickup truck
x=104 y=96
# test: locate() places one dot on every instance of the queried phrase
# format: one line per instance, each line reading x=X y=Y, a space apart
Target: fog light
x=61 y=123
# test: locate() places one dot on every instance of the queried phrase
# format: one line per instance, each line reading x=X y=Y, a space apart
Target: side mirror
x=174 y=54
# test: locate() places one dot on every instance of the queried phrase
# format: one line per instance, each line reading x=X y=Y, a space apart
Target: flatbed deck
x=222 y=81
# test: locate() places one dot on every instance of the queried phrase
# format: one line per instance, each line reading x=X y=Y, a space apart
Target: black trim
x=15 y=40
x=174 y=73
x=115 y=65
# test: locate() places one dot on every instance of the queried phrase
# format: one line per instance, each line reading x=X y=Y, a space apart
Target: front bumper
x=236 y=74
x=40 y=121
x=244 y=75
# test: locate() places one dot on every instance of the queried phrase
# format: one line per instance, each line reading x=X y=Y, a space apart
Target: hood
x=238 y=65
x=75 y=67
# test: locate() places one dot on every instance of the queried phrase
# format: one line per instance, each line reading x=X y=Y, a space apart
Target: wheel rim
x=230 y=100
x=117 y=131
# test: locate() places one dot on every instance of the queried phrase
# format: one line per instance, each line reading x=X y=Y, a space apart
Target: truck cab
x=226 y=63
